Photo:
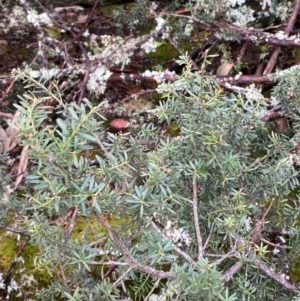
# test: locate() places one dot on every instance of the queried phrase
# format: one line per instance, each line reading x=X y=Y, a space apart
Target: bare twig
x=270 y=66
x=274 y=245
x=7 y=115
x=152 y=290
x=196 y=221
x=245 y=79
x=209 y=235
x=110 y=263
x=132 y=261
x=22 y=166
x=72 y=223
x=64 y=279
x=113 y=267
x=86 y=74
x=102 y=147
x=271 y=274
x=230 y=254
x=117 y=282
x=256 y=233
x=14 y=230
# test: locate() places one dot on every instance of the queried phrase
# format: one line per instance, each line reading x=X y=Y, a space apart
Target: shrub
x=186 y=220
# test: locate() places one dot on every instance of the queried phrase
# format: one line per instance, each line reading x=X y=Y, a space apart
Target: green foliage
x=209 y=166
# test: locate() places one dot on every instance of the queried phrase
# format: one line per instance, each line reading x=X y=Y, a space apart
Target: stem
x=196 y=221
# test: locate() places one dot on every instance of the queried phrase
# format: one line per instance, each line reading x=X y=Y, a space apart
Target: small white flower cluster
x=150 y=45
x=97 y=80
x=179 y=236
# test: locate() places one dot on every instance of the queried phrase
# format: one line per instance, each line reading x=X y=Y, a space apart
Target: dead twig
x=7 y=115
x=131 y=260
x=196 y=221
x=255 y=237
x=72 y=223
x=271 y=274
x=270 y=66
x=15 y=230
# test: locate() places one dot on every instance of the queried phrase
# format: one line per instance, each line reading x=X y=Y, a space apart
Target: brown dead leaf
x=81 y=19
x=9 y=137
x=224 y=69
x=22 y=166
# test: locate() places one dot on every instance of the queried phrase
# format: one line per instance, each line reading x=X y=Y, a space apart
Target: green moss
x=295 y=271
x=109 y=9
x=56 y=32
x=8 y=250
x=85 y=228
x=30 y=278
x=173 y=129
x=164 y=53
x=27 y=277
x=41 y=276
